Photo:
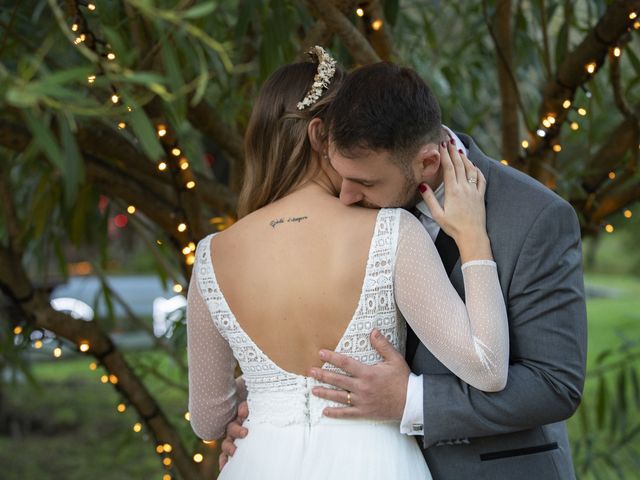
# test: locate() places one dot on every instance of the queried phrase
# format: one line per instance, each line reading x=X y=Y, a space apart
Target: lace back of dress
x=281 y=397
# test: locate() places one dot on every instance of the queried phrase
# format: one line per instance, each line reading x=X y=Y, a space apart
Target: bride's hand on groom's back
x=374 y=391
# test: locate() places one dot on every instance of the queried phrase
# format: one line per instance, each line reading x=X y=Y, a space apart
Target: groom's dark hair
x=384 y=107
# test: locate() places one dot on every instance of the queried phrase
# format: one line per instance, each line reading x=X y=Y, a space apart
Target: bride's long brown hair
x=277 y=148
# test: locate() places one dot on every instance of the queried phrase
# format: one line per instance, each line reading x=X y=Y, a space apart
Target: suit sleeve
x=548 y=333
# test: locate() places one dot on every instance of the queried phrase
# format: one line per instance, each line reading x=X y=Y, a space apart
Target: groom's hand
x=234 y=430
x=376 y=392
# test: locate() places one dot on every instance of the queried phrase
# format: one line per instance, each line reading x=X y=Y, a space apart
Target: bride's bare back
x=292 y=273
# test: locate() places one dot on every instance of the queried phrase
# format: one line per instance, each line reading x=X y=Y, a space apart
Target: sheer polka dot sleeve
x=471 y=340
x=212 y=385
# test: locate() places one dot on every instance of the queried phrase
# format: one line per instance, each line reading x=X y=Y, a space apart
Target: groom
x=384 y=129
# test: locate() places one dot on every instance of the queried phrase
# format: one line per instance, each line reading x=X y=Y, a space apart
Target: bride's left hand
x=376 y=392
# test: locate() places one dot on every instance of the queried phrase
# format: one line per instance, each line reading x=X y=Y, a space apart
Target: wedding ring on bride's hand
x=349 y=398
x=472 y=180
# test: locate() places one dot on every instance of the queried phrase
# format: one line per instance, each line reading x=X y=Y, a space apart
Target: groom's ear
x=316 y=133
x=428 y=161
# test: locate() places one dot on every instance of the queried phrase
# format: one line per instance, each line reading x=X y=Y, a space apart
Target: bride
x=300 y=272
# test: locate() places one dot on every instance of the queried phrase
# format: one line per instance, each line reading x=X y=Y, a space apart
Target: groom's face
x=371 y=179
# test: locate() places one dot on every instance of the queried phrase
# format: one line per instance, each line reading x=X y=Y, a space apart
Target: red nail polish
x=422 y=187
x=460 y=151
x=452 y=142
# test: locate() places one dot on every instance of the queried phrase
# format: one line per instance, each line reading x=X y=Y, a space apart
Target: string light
x=37 y=344
x=84 y=346
x=186 y=251
x=612 y=175
x=162 y=130
x=376 y=24
x=182 y=227
x=166 y=461
x=633 y=15
x=57 y=352
x=190 y=184
x=591 y=67
x=113 y=379
x=557 y=148
x=574 y=126
x=167 y=447
x=74 y=27
x=546 y=123
x=115 y=98
x=78 y=40
x=121 y=407
x=525 y=144
x=504 y=162
x=129 y=109
x=177 y=288
x=166 y=476
x=93 y=366
x=162 y=166
x=360 y=12
x=582 y=111
x=91 y=6
x=131 y=209
x=137 y=427
x=122 y=125
x=187 y=416
x=198 y=458
x=111 y=56
x=176 y=151
x=541 y=133
x=104 y=378
x=209 y=442
x=566 y=104
x=191 y=259
x=159 y=449
x=192 y=246
x=17 y=330
x=184 y=164
x=609 y=228
x=628 y=214
x=636 y=25
x=551 y=119
x=617 y=52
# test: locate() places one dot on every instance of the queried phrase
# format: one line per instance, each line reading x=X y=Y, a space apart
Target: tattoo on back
x=274 y=223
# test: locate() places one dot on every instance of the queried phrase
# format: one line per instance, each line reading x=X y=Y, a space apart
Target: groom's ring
x=349 y=398
x=472 y=180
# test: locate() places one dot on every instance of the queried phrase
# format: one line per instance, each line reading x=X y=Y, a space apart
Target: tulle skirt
x=330 y=449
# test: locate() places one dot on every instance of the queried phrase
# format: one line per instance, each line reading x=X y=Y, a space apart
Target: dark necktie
x=449 y=254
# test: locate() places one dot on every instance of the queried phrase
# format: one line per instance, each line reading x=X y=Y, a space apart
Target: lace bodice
x=403 y=274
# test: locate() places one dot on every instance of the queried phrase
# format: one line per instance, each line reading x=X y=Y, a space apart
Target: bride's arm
x=212 y=386
x=472 y=338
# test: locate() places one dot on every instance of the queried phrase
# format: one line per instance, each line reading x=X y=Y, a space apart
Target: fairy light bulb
x=176 y=151
x=546 y=123
x=166 y=461
x=131 y=209
x=84 y=346
x=191 y=259
x=162 y=166
x=121 y=407
x=591 y=67
x=360 y=12
x=166 y=476
x=122 y=125
x=190 y=184
x=113 y=379
x=192 y=246
x=104 y=379
x=137 y=427
x=551 y=119
x=612 y=175
x=115 y=98
x=574 y=126
x=557 y=148
x=582 y=111
x=186 y=251
x=184 y=164
x=566 y=104
x=525 y=144
x=617 y=52
x=17 y=330
x=609 y=228
x=111 y=56
x=633 y=16
x=37 y=344
x=57 y=352
x=74 y=27
x=376 y=24
x=541 y=133
x=161 y=129
x=504 y=162
x=187 y=416
x=628 y=214
x=198 y=458
x=91 y=6
x=167 y=447
x=209 y=442
x=177 y=288
x=93 y=366
x=182 y=227
x=159 y=449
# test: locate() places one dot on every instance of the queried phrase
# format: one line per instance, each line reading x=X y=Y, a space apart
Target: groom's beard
x=408 y=196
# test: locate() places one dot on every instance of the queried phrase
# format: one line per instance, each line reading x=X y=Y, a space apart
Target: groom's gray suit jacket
x=518 y=433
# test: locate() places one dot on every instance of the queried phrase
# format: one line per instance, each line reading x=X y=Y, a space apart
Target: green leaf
x=199 y=10
x=391 y=8
x=601 y=402
x=143 y=128
x=562 y=43
x=44 y=138
x=74 y=172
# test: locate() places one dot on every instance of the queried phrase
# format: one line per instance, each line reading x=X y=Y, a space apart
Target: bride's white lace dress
x=289 y=438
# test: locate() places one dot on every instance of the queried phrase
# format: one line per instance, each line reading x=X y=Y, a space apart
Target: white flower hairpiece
x=326 y=71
